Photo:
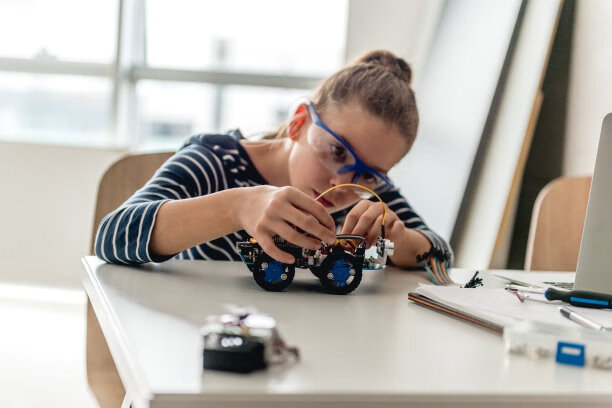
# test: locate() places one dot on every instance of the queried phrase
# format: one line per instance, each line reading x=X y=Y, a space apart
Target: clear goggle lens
x=335 y=157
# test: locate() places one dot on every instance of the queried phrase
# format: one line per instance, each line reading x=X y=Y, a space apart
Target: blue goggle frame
x=358 y=167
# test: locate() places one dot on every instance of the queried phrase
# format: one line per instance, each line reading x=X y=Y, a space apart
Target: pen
x=580 y=319
x=580 y=298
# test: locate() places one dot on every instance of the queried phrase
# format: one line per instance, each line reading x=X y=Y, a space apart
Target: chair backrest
x=556 y=225
x=121 y=180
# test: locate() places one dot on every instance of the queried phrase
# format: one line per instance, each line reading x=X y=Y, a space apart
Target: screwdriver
x=582 y=298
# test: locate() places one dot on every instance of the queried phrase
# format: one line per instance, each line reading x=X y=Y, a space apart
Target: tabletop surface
x=373 y=345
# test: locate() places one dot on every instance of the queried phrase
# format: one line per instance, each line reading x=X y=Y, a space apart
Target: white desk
x=370 y=348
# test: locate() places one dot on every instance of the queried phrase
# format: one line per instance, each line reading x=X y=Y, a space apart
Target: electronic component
x=436 y=263
x=243 y=343
x=338 y=267
x=576 y=346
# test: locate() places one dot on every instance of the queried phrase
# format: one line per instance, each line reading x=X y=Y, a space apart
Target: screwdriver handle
x=581 y=298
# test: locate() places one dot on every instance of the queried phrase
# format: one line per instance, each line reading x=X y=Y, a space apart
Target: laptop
x=593 y=272
x=564 y=280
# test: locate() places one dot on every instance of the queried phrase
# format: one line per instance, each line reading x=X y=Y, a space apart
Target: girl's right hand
x=270 y=211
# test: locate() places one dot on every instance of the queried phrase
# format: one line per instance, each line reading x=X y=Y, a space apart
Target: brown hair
x=379 y=82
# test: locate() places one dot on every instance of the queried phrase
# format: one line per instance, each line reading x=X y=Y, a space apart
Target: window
x=266 y=107
x=244 y=35
x=54 y=108
x=187 y=66
x=170 y=111
x=69 y=30
x=55 y=65
x=225 y=37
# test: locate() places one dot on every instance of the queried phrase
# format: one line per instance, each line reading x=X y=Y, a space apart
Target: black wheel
x=339 y=274
x=272 y=275
x=316 y=270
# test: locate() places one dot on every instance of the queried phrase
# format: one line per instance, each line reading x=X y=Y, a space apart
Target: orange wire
x=347 y=243
x=444 y=272
x=435 y=272
x=384 y=211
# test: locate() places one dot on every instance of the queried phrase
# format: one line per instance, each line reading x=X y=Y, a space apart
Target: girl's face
x=377 y=144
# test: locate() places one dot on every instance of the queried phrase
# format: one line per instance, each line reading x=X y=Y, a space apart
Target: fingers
x=315 y=208
x=362 y=217
x=305 y=213
x=365 y=219
x=281 y=211
x=395 y=230
x=374 y=231
x=353 y=217
x=297 y=238
x=289 y=234
x=309 y=224
x=269 y=247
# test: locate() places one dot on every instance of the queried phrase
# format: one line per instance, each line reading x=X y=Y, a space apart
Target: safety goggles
x=337 y=156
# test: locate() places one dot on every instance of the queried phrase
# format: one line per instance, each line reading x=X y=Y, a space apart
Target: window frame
x=129 y=67
x=129 y=63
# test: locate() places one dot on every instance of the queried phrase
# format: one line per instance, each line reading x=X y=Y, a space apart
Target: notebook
x=496 y=308
x=488 y=322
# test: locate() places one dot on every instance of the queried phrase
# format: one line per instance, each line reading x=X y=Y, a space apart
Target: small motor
x=243 y=342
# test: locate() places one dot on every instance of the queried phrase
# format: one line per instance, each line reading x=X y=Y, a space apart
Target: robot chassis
x=339 y=267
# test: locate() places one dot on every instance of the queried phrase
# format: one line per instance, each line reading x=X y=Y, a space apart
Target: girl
x=220 y=189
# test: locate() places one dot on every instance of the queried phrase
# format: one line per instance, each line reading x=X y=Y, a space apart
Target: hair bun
x=387 y=59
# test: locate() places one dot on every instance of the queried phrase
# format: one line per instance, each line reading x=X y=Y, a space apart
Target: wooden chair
x=118 y=183
x=556 y=225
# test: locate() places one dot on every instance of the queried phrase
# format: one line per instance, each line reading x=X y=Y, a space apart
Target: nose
x=342 y=178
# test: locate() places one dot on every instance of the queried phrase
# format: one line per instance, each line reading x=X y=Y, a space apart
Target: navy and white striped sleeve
x=124 y=235
x=399 y=205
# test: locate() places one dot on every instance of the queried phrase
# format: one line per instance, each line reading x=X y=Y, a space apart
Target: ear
x=297 y=122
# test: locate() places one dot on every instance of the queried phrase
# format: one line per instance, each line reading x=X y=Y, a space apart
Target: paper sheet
x=502 y=307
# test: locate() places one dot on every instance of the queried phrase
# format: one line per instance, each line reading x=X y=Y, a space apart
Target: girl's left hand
x=365 y=219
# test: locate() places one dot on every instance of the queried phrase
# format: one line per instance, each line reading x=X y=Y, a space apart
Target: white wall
x=590 y=87
x=403 y=27
x=46 y=211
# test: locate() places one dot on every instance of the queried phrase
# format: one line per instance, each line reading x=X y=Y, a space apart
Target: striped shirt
x=204 y=165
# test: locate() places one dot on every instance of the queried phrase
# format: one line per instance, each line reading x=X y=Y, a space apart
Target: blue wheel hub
x=340 y=271
x=272 y=274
